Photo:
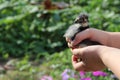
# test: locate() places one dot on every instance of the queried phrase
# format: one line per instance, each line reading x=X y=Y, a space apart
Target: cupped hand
x=90 y=58
x=91 y=34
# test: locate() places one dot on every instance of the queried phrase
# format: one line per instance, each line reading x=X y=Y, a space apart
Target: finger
x=74 y=58
x=79 y=66
x=68 y=40
x=69 y=45
x=81 y=36
x=77 y=51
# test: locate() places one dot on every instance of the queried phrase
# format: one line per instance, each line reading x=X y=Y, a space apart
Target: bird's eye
x=86 y=17
x=83 y=19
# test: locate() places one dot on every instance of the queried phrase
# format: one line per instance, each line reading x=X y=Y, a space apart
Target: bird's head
x=82 y=19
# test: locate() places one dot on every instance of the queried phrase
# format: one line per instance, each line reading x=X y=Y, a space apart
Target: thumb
x=78 y=66
x=81 y=36
x=77 y=51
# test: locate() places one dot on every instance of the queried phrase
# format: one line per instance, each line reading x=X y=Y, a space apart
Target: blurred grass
x=53 y=65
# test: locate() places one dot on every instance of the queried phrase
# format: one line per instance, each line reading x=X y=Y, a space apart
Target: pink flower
x=99 y=73
x=46 y=78
x=82 y=73
x=88 y=78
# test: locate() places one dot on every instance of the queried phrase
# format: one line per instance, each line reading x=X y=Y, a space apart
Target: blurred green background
x=31 y=34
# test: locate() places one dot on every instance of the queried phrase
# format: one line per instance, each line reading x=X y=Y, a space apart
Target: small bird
x=81 y=23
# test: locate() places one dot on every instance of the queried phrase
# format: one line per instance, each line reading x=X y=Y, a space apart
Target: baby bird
x=81 y=23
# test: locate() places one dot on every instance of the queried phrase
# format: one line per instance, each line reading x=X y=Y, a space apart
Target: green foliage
x=25 y=70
